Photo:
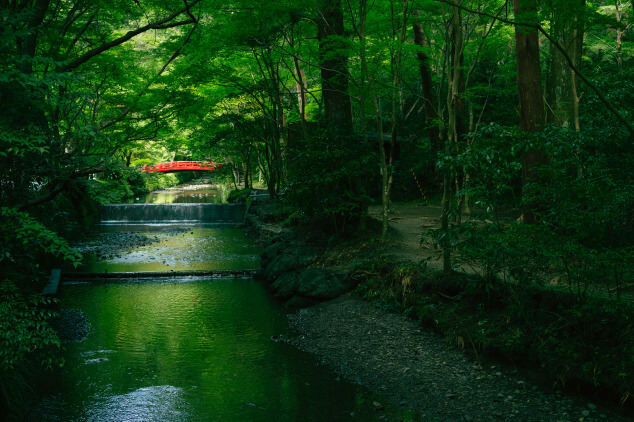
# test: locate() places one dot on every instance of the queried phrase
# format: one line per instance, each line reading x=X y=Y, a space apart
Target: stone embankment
x=286 y=270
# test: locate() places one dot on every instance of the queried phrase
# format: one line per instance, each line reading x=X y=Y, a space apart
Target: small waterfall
x=145 y=213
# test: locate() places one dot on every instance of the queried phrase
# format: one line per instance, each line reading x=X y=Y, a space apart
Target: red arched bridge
x=181 y=166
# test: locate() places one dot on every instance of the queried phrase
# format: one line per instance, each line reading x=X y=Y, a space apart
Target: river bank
x=411 y=364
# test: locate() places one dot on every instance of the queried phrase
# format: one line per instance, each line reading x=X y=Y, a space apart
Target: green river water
x=192 y=349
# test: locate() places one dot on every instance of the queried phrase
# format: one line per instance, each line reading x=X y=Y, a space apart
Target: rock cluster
x=286 y=268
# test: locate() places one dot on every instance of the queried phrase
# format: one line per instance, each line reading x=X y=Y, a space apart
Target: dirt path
x=408 y=223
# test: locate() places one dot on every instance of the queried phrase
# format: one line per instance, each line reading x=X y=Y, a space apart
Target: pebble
x=441 y=385
x=378 y=406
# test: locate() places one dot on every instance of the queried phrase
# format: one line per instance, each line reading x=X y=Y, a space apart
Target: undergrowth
x=581 y=343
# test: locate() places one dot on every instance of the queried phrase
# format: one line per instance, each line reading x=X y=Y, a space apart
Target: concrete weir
x=157 y=274
x=57 y=278
x=52 y=287
x=144 y=213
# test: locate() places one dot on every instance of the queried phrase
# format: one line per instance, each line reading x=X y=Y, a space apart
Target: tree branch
x=159 y=73
x=59 y=186
x=161 y=24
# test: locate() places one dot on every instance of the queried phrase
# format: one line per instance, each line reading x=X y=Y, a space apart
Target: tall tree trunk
x=366 y=78
x=455 y=99
x=301 y=85
x=444 y=223
x=568 y=29
x=333 y=52
x=334 y=67
x=431 y=114
x=28 y=43
x=529 y=88
x=455 y=104
x=619 y=35
x=387 y=168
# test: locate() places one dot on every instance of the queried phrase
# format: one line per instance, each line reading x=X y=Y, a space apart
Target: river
x=190 y=348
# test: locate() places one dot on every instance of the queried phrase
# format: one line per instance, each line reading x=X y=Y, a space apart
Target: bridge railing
x=181 y=166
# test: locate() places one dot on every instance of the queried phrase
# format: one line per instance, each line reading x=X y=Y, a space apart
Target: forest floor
x=407 y=225
x=415 y=367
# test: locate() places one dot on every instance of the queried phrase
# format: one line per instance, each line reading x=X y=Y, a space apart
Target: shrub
x=239 y=196
x=27 y=342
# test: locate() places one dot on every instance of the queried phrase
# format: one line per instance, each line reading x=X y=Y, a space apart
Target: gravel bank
x=413 y=367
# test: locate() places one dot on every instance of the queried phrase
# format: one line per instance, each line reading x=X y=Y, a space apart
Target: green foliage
x=393 y=286
x=584 y=199
x=123 y=183
x=228 y=89
x=24 y=329
x=25 y=338
x=23 y=240
x=591 y=343
x=492 y=161
x=27 y=342
x=239 y=196
x=326 y=181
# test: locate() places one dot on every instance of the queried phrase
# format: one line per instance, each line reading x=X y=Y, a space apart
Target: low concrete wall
x=156 y=274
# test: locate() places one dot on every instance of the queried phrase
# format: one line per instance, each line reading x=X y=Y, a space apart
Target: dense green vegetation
x=520 y=109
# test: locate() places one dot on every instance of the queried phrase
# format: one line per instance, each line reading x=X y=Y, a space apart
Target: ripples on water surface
x=192 y=350
x=170 y=248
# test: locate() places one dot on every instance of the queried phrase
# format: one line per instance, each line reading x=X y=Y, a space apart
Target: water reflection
x=193 y=351
x=188 y=349
x=192 y=193
x=159 y=403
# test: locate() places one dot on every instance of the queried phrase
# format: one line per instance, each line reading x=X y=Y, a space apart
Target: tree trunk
x=455 y=104
x=366 y=79
x=567 y=29
x=247 y=173
x=529 y=88
x=445 y=242
x=619 y=35
x=28 y=44
x=301 y=91
x=334 y=72
x=431 y=115
x=387 y=168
